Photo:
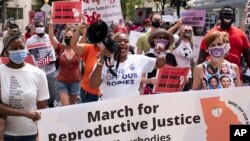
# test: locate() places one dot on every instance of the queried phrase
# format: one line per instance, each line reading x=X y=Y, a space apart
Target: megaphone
x=98 y=32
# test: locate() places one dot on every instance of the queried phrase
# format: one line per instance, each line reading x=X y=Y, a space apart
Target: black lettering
x=94 y=118
x=52 y=137
x=63 y=137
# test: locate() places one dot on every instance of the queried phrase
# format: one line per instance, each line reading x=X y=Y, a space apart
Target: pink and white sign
x=194 y=17
x=106 y=10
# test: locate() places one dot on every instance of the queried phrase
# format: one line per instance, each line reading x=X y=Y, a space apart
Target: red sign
x=29 y=59
x=67 y=12
x=170 y=79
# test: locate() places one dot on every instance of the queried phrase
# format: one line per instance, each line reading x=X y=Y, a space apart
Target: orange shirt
x=89 y=57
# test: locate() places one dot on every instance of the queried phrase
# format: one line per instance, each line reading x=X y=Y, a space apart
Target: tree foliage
x=128 y=8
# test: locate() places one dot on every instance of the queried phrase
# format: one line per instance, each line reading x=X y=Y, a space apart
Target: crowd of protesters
x=90 y=72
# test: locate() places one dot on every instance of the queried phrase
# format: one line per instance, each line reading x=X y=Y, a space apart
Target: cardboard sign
x=67 y=12
x=194 y=17
x=41 y=51
x=170 y=79
x=29 y=59
x=185 y=116
x=106 y=10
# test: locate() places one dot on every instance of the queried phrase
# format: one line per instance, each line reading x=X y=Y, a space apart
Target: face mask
x=227 y=48
x=17 y=56
x=67 y=41
x=187 y=35
x=162 y=42
x=217 y=52
x=156 y=24
x=40 y=30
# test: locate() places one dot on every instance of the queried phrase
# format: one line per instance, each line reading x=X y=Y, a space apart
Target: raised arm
x=78 y=48
x=95 y=79
x=175 y=26
x=52 y=38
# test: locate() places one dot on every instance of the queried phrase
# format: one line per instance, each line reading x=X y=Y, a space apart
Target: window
x=14 y=13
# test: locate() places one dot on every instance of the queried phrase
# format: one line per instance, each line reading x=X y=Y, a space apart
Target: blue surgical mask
x=17 y=56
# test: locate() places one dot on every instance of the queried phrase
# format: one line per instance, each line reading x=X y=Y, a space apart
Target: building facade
x=16 y=10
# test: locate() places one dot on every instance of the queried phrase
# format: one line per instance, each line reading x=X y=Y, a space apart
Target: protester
x=159 y=37
x=68 y=79
x=129 y=72
x=142 y=42
x=183 y=51
x=88 y=53
x=29 y=32
x=213 y=69
x=238 y=40
x=50 y=69
x=24 y=89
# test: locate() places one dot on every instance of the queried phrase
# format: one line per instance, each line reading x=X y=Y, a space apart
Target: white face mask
x=40 y=30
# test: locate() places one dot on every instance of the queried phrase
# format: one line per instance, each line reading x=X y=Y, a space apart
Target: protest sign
x=247 y=21
x=41 y=51
x=184 y=116
x=169 y=18
x=106 y=10
x=29 y=59
x=38 y=16
x=170 y=79
x=133 y=37
x=194 y=17
x=67 y=12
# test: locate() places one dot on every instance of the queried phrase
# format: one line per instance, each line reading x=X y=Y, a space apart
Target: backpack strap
x=177 y=43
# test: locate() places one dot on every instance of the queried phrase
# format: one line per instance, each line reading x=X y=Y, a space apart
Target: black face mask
x=226 y=14
x=67 y=41
x=156 y=24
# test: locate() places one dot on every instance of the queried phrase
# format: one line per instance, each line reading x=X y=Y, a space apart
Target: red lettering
x=92 y=18
x=112 y=1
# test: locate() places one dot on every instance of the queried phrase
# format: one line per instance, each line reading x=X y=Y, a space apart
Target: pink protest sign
x=194 y=17
x=67 y=12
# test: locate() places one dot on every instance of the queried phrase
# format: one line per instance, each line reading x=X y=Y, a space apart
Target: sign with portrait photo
x=41 y=51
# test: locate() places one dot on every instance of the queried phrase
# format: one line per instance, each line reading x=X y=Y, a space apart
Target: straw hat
x=161 y=31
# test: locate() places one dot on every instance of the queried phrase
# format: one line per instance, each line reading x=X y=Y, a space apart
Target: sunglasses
x=188 y=30
x=67 y=36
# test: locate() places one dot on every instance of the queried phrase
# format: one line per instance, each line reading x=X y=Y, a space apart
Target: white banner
x=183 y=116
x=106 y=10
